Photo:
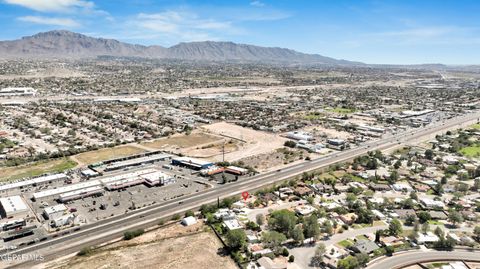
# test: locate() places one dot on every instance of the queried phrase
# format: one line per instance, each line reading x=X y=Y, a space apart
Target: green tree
x=311 y=227
x=389 y=250
x=273 y=239
x=362 y=259
x=410 y=220
x=425 y=227
x=476 y=184
x=424 y=216
x=297 y=235
x=282 y=221
x=260 y=219
x=397 y=164
x=393 y=177
x=439 y=232
x=395 y=227
x=328 y=228
x=476 y=231
x=253 y=226
x=429 y=154
x=455 y=217
x=236 y=239
x=349 y=262
x=317 y=258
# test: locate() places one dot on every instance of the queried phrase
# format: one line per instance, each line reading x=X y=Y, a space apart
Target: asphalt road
x=402 y=260
x=112 y=228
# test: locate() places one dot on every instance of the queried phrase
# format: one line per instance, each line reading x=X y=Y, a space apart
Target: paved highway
x=114 y=227
x=405 y=259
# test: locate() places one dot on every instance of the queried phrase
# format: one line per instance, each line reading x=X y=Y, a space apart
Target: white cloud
x=64 y=22
x=52 y=5
x=257 y=3
x=179 y=26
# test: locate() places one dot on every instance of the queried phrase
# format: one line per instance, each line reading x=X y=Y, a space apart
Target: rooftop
x=13 y=204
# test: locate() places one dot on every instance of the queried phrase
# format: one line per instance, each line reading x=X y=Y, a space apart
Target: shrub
x=189 y=213
x=85 y=251
x=132 y=234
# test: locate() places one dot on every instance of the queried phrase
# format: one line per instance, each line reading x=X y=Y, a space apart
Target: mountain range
x=60 y=44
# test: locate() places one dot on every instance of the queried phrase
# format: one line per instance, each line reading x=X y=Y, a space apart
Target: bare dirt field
x=175 y=247
x=275 y=159
x=105 y=154
x=330 y=133
x=214 y=149
x=255 y=142
x=179 y=141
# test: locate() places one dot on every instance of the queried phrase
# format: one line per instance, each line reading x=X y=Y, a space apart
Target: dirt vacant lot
x=179 y=141
x=255 y=142
x=105 y=154
x=171 y=248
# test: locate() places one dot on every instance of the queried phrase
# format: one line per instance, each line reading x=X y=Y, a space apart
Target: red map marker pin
x=245 y=195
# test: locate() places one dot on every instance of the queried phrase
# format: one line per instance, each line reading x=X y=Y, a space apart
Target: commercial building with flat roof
x=192 y=163
x=157 y=178
x=124 y=183
x=12 y=206
x=53 y=212
x=42 y=180
x=136 y=161
x=78 y=194
x=65 y=189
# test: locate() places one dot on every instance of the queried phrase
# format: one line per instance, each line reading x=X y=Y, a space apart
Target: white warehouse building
x=13 y=206
x=297 y=135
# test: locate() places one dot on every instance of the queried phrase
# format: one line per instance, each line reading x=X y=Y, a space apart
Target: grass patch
x=361 y=237
x=472 y=151
x=314 y=116
x=324 y=176
x=438 y=264
x=36 y=169
x=475 y=126
x=345 y=243
x=378 y=223
x=406 y=232
x=341 y=110
x=435 y=222
x=361 y=225
x=107 y=153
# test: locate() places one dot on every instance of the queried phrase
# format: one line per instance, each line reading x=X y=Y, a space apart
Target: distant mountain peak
x=64 y=43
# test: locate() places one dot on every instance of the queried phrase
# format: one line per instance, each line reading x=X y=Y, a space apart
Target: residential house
x=365 y=246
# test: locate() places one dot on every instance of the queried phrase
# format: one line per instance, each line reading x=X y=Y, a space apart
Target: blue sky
x=380 y=31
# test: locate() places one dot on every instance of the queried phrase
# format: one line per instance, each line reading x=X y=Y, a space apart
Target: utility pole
x=223 y=161
x=223 y=151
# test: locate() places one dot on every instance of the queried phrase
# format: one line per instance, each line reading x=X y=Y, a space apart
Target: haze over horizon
x=381 y=32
